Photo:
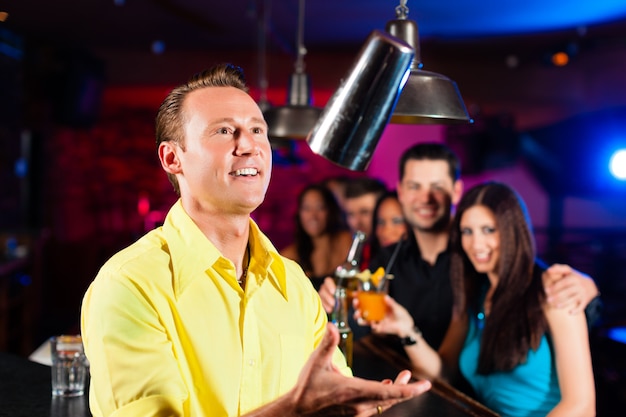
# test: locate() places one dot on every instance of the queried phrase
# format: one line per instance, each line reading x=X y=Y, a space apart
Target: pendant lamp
x=427 y=97
x=297 y=118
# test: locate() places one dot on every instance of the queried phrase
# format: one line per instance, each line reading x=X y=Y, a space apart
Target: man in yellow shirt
x=203 y=317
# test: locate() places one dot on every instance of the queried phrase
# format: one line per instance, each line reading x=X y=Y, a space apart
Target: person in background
x=389 y=225
x=202 y=316
x=322 y=240
x=521 y=356
x=337 y=185
x=429 y=187
x=360 y=199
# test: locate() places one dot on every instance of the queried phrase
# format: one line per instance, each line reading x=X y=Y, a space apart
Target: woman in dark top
x=322 y=240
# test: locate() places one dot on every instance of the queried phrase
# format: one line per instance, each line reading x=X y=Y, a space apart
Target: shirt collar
x=411 y=248
x=192 y=254
x=266 y=262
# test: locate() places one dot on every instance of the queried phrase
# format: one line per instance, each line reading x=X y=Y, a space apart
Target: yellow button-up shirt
x=168 y=331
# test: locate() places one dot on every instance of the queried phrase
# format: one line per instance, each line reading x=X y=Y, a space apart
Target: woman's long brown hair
x=516 y=321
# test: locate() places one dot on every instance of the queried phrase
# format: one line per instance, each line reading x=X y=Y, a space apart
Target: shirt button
x=251 y=362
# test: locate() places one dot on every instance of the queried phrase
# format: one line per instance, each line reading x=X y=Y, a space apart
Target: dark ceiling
x=203 y=25
x=163 y=41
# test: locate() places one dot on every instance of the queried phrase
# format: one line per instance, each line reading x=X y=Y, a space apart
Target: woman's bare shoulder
x=290 y=252
x=343 y=239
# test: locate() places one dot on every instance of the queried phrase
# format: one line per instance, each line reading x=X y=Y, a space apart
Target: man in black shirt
x=423 y=289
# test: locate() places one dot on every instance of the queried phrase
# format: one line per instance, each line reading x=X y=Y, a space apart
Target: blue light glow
x=21 y=168
x=497 y=17
x=617 y=165
x=618 y=334
x=158 y=47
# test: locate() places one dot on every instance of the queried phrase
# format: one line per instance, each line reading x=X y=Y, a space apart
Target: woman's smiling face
x=480 y=239
x=390 y=224
x=313 y=214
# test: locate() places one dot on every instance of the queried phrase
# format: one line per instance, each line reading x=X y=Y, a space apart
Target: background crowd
x=434 y=302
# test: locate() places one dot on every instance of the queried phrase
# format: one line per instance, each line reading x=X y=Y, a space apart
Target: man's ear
x=457 y=192
x=168 y=155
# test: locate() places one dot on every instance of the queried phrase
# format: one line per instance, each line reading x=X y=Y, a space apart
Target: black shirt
x=423 y=289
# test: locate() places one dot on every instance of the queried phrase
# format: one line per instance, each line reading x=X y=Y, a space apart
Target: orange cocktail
x=371 y=295
x=372 y=305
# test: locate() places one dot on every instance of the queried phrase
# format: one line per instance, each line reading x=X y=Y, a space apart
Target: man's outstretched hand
x=322 y=390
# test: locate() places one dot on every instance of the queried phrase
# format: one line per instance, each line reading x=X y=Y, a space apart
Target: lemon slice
x=377 y=276
x=364 y=275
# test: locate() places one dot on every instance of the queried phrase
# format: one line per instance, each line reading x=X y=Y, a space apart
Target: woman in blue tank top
x=522 y=357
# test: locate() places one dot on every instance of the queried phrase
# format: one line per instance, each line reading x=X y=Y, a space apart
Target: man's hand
x=327 y=294
x=568 y=288
x=323 y=391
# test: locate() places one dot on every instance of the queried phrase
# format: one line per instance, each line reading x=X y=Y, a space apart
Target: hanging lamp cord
x=301 y=50
x=402 y=10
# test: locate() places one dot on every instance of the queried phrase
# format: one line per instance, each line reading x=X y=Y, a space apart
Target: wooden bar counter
x=375 y=359
x=25 y=389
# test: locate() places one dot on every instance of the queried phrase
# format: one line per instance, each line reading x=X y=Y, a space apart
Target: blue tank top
x=530 y=389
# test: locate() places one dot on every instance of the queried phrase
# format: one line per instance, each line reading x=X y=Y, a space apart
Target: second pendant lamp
x=297 y=118
x=427 y=97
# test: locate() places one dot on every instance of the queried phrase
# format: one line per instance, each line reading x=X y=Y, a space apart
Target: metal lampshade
x=354 y=118
x=427 y=97
x=297 y=118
